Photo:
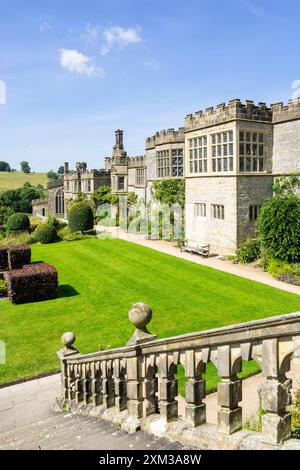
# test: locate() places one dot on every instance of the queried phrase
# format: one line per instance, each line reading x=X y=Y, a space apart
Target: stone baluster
x=85 y=383
x=168 y=387
x=78 y=383
x=139 y=315
x=195 y=410
x=97 y=397
x=108 y=392
x=229 y=363
x=67 y=380
x=150 y=386
x=135 y=387
x=120 y=385
x=275 y=394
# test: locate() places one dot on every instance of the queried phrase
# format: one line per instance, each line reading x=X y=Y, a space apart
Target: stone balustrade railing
x=139 y=380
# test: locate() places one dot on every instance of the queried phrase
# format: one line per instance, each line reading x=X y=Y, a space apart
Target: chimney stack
x=66 y=168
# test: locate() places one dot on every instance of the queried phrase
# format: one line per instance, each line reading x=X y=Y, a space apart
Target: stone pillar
x=276 y=423
x=135 y=387
x=67 y=379
x=120 y=385
x=108 y=392
x=150 y=386
x=168 y=388
x=97 y=396
x=229 y=363
x=195 y=410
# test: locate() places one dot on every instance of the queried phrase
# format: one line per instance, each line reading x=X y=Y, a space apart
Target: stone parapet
x=169 y=136
x=136 y=162
x=137 y=387
x=289 y=112
x=234 y=110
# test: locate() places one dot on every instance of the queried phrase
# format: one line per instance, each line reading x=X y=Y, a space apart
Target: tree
x=80 y=217
x=279 y=227
x=5 y=212
x=61 y=170
x=169 y=191
x=103 y=195
x=4 y=166
x=289 y=184
x=52 y=176
x=25 y=167
x=18 y=222
x=19 y=200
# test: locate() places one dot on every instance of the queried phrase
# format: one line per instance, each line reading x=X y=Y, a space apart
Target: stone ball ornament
x=68 y=339
x=140 y=315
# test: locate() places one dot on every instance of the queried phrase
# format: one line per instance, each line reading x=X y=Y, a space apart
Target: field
x=15 y=180
x=101 y=279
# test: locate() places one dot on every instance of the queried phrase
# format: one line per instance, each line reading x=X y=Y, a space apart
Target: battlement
x=136 y=162
x=85 y=174
x=234 y=110
x=289 y=112
x=55 y=184
x=168 y=136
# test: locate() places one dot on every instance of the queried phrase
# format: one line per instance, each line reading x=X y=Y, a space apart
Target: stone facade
x=228 y=156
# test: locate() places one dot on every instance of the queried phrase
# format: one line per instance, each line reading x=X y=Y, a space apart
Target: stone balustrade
x=138 y=382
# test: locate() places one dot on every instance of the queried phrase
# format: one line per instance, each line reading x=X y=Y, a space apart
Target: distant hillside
x=16 y=180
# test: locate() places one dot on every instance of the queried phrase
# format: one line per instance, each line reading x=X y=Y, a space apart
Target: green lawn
x=100 y=280
x=16 y=179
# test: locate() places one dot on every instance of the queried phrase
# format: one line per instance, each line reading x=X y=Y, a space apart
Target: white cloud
x=117 y=37
x=152 y=64
x=79 y=63
x=45 y=26
x=90 y=35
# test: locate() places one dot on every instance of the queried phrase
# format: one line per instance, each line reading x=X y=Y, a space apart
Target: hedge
x=32 y=283
x=14 y=256
x=18 y=222
x=3 y=258
x=45 y=233
x=80 y=217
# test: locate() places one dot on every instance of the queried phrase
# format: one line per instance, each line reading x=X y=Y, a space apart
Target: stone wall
x=251 y=190
x=220 y=234
x=286 y=150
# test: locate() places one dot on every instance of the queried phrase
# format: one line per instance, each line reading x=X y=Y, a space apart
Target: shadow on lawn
x=66 y=290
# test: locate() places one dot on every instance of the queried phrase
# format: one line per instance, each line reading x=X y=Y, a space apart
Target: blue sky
x=77 y=70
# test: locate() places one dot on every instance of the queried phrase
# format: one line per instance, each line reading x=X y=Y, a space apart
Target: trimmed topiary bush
x=18 y=222
x=32 y=283
x=45 y=233
x=3 y=258
x=80 y=217
x=14 y=256
x=18 y=256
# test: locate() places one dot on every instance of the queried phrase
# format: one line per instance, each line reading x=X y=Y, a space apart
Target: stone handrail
x=139 y=379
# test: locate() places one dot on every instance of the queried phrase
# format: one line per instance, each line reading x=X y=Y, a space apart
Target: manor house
x=228 y=156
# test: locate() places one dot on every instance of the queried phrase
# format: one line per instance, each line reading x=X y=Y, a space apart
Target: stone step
x=70 y=431
x=26 y=433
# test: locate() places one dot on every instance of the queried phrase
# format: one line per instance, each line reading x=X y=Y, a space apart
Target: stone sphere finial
x=140 y=315
x=68 y=339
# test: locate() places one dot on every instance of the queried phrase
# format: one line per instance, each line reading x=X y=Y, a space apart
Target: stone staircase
x=66 y=431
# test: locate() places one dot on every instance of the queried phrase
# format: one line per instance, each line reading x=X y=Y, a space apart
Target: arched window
x=59 y=202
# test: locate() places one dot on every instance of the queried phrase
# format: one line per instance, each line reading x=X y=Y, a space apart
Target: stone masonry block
x=229 y=421
x=276 y=428
x=168 y=389
x=135 y=390
x=195 y=415
x=169 y=411
x=230 y=393
x=195 y=391
x=275 y=396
